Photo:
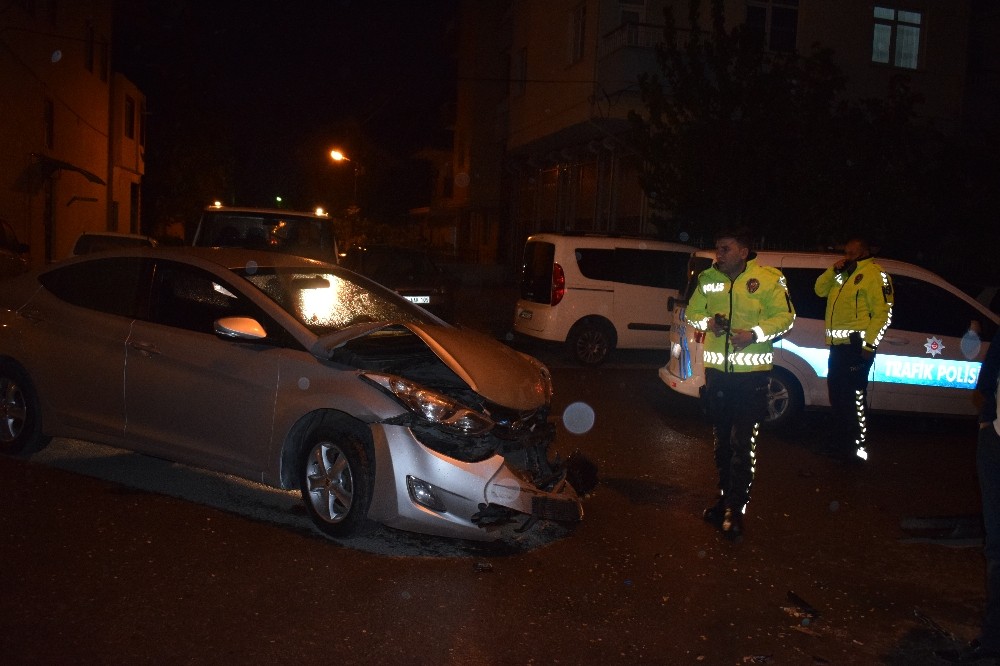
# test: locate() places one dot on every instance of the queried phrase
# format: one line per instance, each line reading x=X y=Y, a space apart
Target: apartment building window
x=48 y=124
x=519 y=72
x=632 y=11
x=129 y=117
x=577 y=33
x=775 y=22
x=896 y=37
x=142 y=124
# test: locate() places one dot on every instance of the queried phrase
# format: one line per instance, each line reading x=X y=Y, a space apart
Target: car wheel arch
x=592 y=324
x=30 y=436
x=298 y=434
x=335 y=470
x=785 y=400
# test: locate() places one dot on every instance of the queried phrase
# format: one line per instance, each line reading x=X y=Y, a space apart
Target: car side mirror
x=239 y=328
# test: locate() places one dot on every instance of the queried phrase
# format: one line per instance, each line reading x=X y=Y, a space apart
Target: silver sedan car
x=289 y=372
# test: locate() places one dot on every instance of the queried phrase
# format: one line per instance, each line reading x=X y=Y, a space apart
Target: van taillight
x=558 y=283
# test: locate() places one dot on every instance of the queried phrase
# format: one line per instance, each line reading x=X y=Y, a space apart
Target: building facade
x=546 y=147
x=71 y=141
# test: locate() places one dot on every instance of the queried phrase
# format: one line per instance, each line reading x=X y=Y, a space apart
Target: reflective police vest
x=757 y=300
x=857 y=303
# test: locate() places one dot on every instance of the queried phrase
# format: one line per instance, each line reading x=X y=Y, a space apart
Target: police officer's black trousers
x=988 y=468
x=736 y=404
x=847 y=387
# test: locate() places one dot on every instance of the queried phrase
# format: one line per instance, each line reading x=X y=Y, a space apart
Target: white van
x=928 y=361
x=599 y=292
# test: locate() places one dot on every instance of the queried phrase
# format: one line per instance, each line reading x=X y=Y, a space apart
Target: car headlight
x=544 y=376
x=434 y=407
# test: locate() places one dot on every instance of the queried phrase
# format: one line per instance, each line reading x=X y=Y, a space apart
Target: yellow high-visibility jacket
x=857 y=302
x=756 y=300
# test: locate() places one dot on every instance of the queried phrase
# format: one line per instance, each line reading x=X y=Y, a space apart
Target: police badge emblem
x=753 y=284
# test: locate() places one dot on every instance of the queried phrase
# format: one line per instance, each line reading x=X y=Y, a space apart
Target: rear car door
x=80 y=323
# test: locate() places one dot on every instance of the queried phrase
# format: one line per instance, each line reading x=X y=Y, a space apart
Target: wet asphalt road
x=103 y=564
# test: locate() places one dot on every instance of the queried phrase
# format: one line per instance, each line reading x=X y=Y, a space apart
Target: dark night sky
x=279 y=82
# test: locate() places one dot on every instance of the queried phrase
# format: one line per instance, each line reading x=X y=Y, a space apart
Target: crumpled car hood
x=491 y=369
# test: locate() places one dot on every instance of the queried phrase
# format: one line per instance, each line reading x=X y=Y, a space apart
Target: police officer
x=859 y=302
x=742 y=307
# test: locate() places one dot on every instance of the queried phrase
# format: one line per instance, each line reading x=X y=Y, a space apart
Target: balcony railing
x=630 y=35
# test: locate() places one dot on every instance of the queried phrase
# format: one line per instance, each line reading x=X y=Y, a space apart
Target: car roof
x=271 y=212
x=596 y=239
x=232 y=258
x=114 y=234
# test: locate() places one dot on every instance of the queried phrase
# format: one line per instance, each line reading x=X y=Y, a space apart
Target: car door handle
x=145 y=348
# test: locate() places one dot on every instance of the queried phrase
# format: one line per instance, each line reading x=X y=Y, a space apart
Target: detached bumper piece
x=560 y=510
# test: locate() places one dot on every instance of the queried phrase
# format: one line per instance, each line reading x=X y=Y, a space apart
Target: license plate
x=420 y=300
x=525 y=314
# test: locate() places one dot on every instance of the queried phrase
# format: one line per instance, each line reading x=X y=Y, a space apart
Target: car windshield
x=326 y=301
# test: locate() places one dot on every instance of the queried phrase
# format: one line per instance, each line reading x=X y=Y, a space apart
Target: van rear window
x=536 y=272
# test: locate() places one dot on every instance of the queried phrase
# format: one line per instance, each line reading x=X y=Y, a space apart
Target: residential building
x=557 y=123
x=72 y=135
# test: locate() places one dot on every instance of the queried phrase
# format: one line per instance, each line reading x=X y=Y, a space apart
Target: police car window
x=802 y=291
x=115 y=286
x=927 y=308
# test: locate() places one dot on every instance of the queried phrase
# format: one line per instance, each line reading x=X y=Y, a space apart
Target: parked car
x=13 y=253
x=300 y=233
x=290 y=372
x=98 y=241
x=928 y=361
x=597 y=293
x=410 y=272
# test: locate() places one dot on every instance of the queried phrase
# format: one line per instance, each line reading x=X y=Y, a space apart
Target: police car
x=928 y=361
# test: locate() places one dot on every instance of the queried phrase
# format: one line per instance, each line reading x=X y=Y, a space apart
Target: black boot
x=715 y=514
x=732 y=525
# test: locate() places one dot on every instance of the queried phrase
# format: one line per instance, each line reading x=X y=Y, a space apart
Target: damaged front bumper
x=420 y=490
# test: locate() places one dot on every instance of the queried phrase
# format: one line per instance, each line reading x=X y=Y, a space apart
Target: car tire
x=784 y=399
x=336 y=479
x=590 y=341
x=20 y=416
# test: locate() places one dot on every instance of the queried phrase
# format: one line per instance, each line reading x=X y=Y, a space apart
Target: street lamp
x=338 y=156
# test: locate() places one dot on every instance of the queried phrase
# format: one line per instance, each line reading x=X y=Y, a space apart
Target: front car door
x=191 y=395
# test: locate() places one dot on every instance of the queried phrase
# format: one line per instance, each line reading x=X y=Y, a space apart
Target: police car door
x=930 y=356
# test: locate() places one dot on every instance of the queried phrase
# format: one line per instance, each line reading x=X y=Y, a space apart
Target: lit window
x=896 y=37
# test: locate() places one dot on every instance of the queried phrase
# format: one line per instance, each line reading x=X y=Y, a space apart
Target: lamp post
x=338 y=156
